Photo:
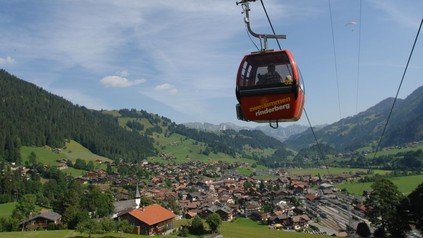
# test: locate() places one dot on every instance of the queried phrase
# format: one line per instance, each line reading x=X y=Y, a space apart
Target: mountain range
x=366 y=128
x=32 y=116
x=370 y=127
x=280 y=133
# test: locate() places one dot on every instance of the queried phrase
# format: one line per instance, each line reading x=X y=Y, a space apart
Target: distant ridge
x=213 y=127
x=281 y=133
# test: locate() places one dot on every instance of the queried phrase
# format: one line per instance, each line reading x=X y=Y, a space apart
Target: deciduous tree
x=90 y=226
x=382 y=203
x=197 y=226
x=214 y=221
x=414 y=207
x=25 y=207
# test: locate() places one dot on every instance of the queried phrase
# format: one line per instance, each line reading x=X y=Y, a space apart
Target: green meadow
x=72 y=151
x=61 y=234
x=183 y=149
x=240 y=228
x=394 y=151
x=6 y=209
x=45 y=155
x=331 y=171
x=405 y=184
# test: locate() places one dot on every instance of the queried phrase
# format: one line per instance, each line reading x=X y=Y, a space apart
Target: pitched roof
x=52 y=216
x=48 y=215
x=124 y=206
x=310 y=196
x=152 y=214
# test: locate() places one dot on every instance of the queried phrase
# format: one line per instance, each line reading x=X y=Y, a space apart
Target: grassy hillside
x=45 y=155
x=178 y=148
x=71 y=151
x=74 y=150
x=405 y=184
x=6 y=209
x=177 y=143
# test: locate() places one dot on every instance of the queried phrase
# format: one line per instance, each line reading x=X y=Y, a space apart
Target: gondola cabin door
x=268 y=88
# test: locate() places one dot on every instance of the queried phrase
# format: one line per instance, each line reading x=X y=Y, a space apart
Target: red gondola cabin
x=269 y=88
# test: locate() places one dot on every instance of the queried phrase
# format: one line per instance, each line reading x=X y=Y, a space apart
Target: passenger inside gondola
x=271 y=77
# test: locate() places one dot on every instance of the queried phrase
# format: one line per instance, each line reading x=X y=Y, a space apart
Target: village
x=299 y=203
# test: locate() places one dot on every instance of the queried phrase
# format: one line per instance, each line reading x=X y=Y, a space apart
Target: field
x=183 y=149
x=240 y=228
x=405 y=184
x=45 y=155
x=61 y=234
x=330 y=171
x=74 y=150
x=394 y=151
x=6 y=209
x=71 y=151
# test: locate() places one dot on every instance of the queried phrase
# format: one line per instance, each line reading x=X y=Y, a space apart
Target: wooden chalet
x=150 y=220
x=41 y=221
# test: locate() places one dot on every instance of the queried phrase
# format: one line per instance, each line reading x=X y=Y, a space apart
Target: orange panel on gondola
x=268 y=107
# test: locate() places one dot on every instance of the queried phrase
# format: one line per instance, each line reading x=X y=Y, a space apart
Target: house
x=190 y=215
x=252 y=207
x=295 y=222
x=223 y=211
x=41 y=221
x=282 y=219
x=194 y=196
x=150 y=220
x=99 y=173
x=300 y=221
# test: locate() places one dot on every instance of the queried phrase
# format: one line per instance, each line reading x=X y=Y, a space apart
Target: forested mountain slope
x=365 y=128
x=32 y=116
x=249 y=144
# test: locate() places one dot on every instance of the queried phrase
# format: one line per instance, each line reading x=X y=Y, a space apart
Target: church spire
x=137 y=197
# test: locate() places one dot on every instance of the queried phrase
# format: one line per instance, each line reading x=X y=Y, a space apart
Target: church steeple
x=137 y=197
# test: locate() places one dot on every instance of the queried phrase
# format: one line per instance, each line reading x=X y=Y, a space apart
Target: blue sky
x=179 y=59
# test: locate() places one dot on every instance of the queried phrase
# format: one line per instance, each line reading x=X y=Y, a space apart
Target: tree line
x=75 y=202
x=31 y=116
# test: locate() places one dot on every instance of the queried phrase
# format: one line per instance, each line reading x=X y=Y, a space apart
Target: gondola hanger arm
x=263 y=37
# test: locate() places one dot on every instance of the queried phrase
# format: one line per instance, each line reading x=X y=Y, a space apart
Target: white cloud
x=7 y=60
x=115 y=81
x=166 y=88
